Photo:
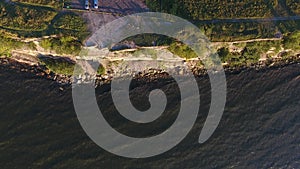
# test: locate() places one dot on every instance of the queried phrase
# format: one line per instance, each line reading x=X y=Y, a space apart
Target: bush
x=182 y=50
x=292 y=41
x=101 y=70
x=294 y=5
x=63 y=45
x=251 y=53
x=58 y=65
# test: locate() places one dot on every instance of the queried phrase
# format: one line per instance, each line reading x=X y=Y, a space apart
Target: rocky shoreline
x=146 y=76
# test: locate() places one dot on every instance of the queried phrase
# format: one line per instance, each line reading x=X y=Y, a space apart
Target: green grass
x=19 y=17
x=101 y=70
x=34 y=21
x=62 y=45
x=45 y=3
x=246 y=30
x=182 y=50
x=65 y=66
x=8 y=44
x=294 y=5
x=149 y=52
x=58 y=65
x=199 y=10
x=70 y=24
x=292 y=41
x=70 y=21
x=248 y=56
x=34 y=18
x=251 y=53
x=264 y=46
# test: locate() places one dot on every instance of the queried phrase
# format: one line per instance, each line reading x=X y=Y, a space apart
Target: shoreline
x=42 y=72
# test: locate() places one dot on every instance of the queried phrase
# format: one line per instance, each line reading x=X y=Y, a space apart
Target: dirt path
x=241 y=20
x=27 y=40
x=246 y=41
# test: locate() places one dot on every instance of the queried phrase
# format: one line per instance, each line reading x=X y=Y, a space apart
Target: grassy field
x=197 y=11
x=70 y=24
x=46 y=3
x=247 y=30
x=18 y=17
x=200 y=10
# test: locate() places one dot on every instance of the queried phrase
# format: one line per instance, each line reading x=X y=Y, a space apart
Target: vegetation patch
x=70 y=21
x=47 y=3
x=292 y=41
x=223 y=31
x=71 y=24
x=294 y=5
x=182 y=50
x=101 y=70
x=8 y=44
x=18 y=17
x=251 y=52
x=199 y=10
x=148 y=52
x=62 y=45
x=37 y=18
x=58 y=65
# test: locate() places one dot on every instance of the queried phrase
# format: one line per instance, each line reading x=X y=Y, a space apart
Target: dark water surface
x=259 y=128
